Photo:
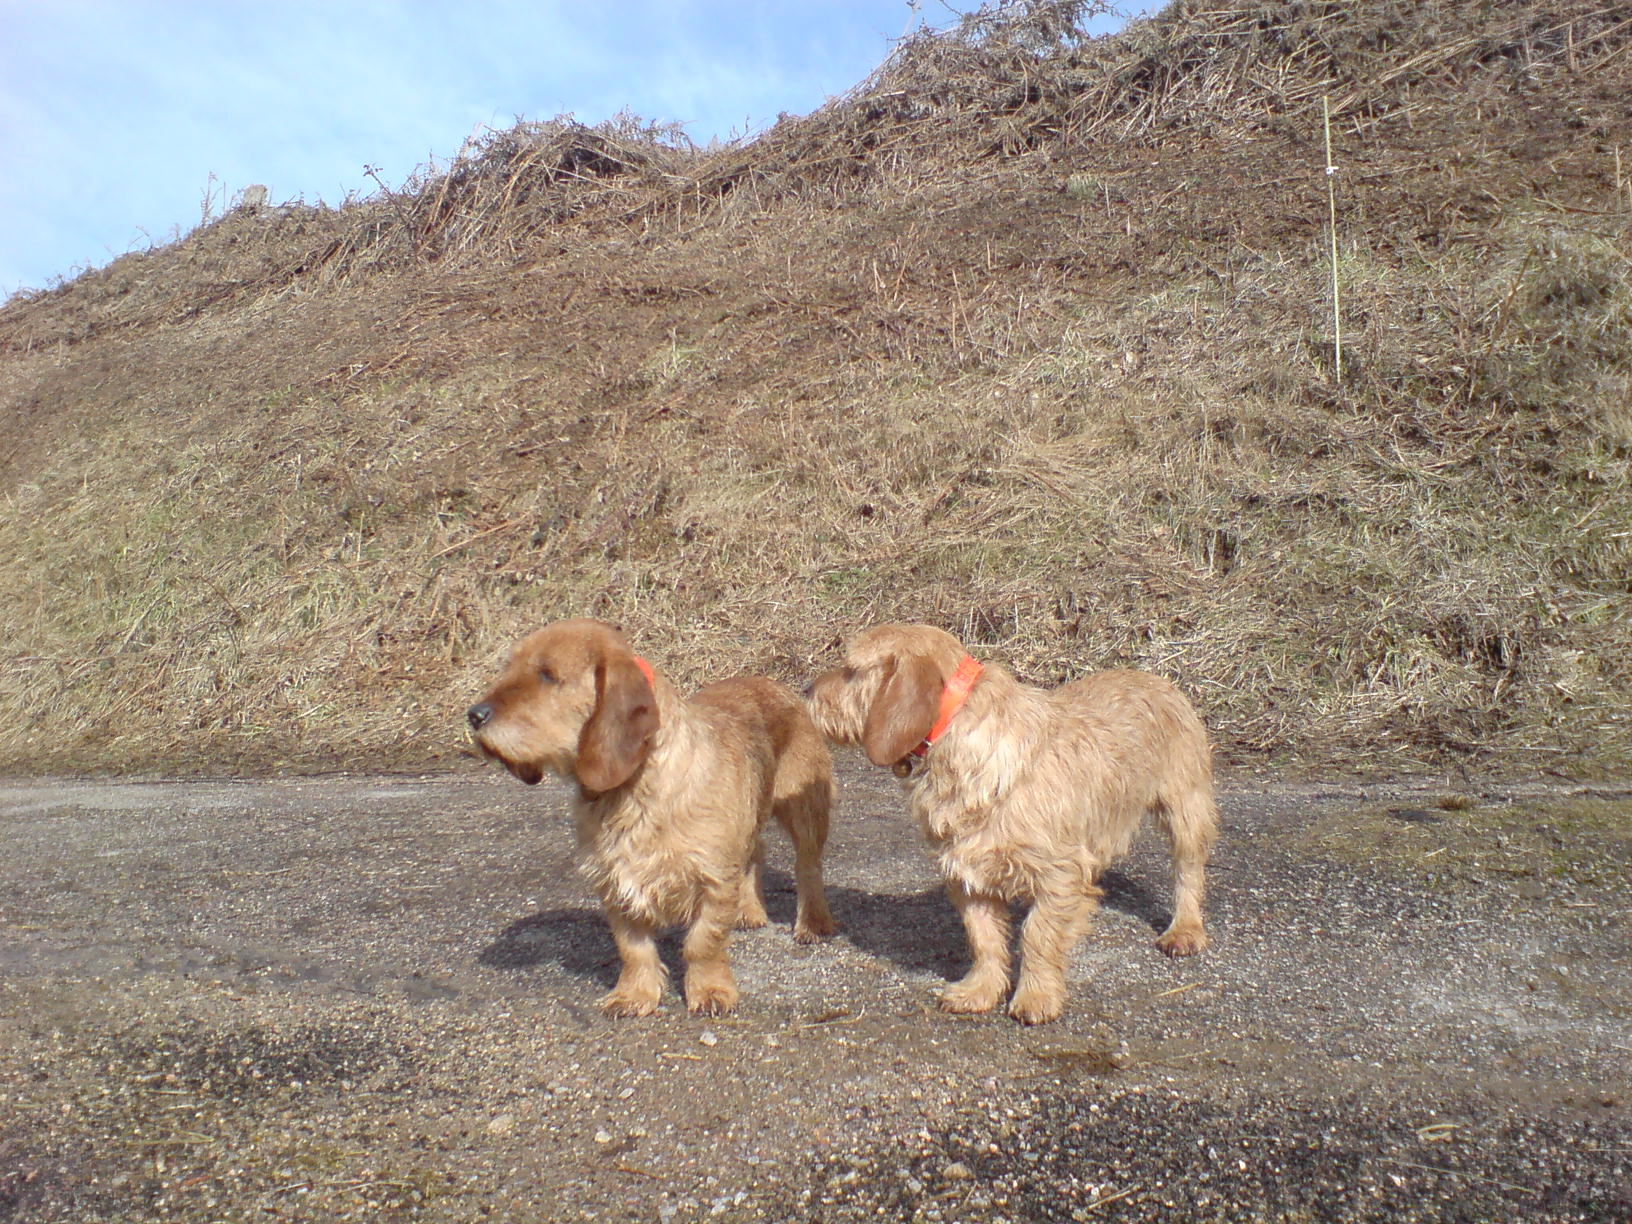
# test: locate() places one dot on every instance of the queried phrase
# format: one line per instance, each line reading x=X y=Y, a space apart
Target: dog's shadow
x=575 y=939
x=1129 y=896
x=922 y=933
x=919 y=933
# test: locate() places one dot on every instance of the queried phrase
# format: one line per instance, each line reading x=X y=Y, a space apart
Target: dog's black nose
x=479 y=716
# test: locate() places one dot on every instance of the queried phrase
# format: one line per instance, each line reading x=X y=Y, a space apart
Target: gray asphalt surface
x=374 y=998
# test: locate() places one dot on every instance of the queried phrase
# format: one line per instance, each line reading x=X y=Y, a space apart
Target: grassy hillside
x=1028 y=336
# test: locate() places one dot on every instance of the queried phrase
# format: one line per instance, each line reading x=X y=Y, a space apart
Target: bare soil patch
x=325 y=999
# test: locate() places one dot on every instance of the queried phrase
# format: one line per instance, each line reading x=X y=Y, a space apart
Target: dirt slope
x=1028 y=336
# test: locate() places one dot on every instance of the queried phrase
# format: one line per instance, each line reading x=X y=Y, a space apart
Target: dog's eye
x=545 y=675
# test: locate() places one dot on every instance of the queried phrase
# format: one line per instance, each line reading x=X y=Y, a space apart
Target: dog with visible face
x=671 y=797
x=1026 y=795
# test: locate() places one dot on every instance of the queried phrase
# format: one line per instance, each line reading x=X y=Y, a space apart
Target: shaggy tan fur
x=1028 y=795
x=672 y=796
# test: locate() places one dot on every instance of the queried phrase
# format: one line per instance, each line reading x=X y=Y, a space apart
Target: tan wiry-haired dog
x=1027 y=794
x=672 y=797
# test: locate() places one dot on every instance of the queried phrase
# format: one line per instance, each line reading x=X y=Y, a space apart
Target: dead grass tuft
x=1560 y=341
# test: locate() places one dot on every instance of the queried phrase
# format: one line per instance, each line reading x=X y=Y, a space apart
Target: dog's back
x=759 y=709
x=796 y=779
x=1140 y=722
x=778 y=722
x=1161 y=764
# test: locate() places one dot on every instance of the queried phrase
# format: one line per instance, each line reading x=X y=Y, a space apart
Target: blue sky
x=120 y=119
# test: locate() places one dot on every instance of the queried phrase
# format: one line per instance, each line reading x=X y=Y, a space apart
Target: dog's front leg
x=1057 y=920
x=986 y=922
x=640 y=982
x=710 y=988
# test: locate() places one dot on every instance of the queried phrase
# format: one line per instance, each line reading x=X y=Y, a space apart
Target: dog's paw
x=751 y=920
x=1036 y=1006
x=625 y=1004
x=967 y=998
x=809 y=929
x=714 y=999
x=1182 y=941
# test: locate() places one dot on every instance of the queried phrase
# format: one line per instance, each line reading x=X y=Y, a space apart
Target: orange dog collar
x=953 y=696
x=646 y=670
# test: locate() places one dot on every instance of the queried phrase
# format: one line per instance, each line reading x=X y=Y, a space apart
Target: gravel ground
x=373 y=998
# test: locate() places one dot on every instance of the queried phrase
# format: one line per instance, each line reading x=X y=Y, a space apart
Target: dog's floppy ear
x=908 y=702
x=619 y=733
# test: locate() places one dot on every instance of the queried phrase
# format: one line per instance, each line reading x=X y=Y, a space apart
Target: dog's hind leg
x=804 y=815
x=1191 y=824
x=751 y=912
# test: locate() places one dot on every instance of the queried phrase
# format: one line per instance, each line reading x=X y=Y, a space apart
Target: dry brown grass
x=1026 y=336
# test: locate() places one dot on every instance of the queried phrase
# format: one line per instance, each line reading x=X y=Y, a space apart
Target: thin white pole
x=1331 y=201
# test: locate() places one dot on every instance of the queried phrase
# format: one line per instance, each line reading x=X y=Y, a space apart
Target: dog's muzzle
x=479 y=716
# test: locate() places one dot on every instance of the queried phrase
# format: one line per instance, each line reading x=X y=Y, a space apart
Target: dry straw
x=281 y=492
